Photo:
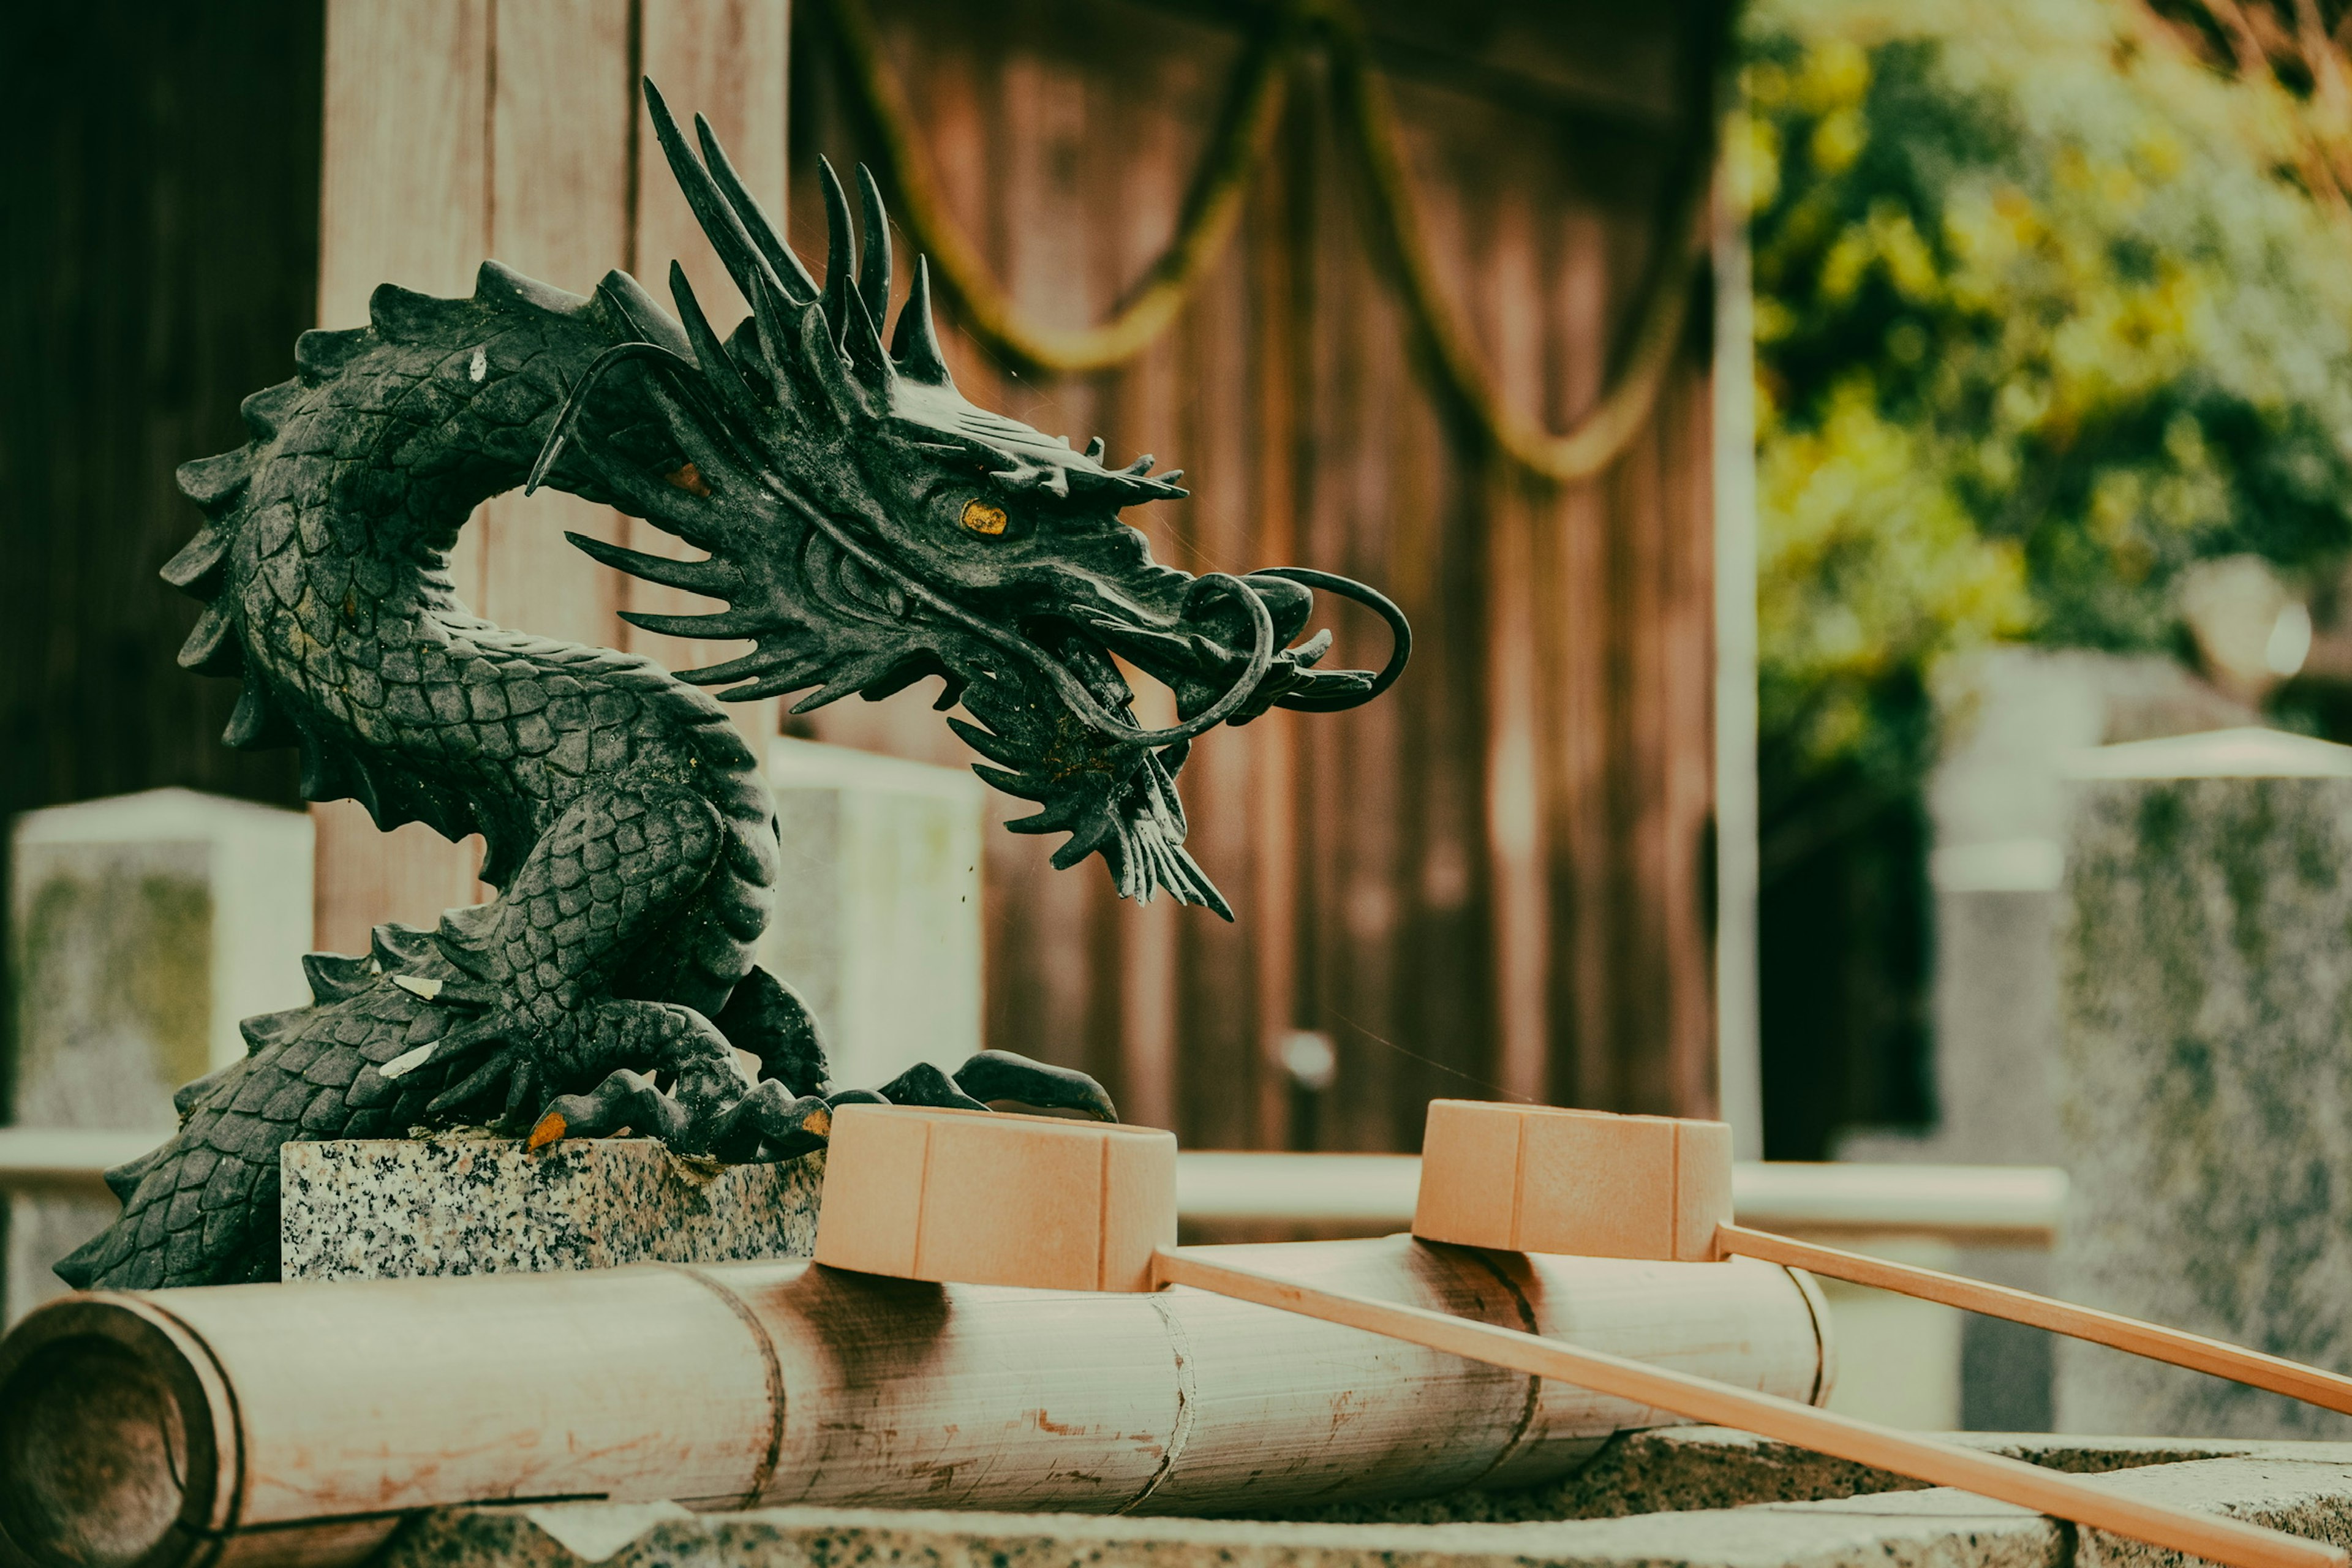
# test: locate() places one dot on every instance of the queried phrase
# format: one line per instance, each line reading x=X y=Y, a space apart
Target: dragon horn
x=840 y=251
x=815 y=361
x=915 y=343
x=712 y=210
x=799 y=287
x=874 y=272
x=867 y=363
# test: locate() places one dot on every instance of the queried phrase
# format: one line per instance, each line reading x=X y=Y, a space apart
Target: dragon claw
x=764 y=1126
x=1003 y=1078
x=924 y=1084
x=511 y=1064
x=486 y=1030
x=549 y=1128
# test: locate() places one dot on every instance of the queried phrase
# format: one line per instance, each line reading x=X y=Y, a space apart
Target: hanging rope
x=1237 y=146
x=1598 y=438
x=1212 y=206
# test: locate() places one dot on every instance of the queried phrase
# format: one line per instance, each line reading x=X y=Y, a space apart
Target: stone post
x=2011 y=717
x=2205 y=966
x=877 y=917
x=142 y=928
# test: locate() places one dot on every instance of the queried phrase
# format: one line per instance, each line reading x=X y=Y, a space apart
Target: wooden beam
x=404 y=197
x=563 y=105
x=725 y=60
x=459 y=131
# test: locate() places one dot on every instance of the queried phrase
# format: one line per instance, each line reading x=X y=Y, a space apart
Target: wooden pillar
x=1514 y=681
x=469 y=129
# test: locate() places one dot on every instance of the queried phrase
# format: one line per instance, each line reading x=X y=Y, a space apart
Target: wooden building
x=1497 y=879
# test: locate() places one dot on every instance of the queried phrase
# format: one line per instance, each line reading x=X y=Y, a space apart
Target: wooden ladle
x=989 y=1198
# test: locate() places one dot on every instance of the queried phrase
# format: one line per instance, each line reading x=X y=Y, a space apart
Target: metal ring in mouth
x=1380 y=605
x=1261 y=660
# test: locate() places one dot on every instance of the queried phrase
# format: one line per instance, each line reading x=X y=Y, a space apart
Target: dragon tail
x=203 y=1208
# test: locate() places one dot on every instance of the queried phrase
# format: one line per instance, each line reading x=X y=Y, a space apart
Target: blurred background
x=1794 y=431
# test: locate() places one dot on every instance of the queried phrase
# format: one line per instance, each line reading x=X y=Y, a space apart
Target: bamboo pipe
x=2211 y=1536
x=191 y=1428
x=2329 y=1390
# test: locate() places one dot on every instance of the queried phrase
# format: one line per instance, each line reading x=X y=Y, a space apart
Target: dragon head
x=868 y=527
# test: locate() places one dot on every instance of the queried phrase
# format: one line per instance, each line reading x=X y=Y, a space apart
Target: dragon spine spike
x=867 y=359
x=915 y=343
x=253 y=725
x=718 y=365
x=712 y=211
x=214 y=484
x=265 y=411
x=212 y=647
x=799 y=287
x=404 y=316
x=840 y=251
x=334 y=977
x=196 y=570
x=647 y=323
x=873 y=271
x=319 y=353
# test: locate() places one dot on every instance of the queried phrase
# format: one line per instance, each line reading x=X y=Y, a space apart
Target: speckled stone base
x=398 y=1208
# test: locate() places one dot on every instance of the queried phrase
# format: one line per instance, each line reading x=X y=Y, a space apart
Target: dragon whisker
x=1380 y=605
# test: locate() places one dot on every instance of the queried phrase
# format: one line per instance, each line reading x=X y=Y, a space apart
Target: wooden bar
x=2329 y=1390
x=2210 y=1536
x=466 y=130
x=404 y=197
x=562 y=102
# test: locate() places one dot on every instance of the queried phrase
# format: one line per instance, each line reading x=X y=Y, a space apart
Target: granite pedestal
x=400 y=1208
x=2206 y=1071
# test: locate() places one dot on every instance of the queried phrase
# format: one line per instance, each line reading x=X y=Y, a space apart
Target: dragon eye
x=981 y=518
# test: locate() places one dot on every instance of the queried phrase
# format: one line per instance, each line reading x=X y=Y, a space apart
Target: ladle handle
x=2330 y=1389
x=2210 y=1536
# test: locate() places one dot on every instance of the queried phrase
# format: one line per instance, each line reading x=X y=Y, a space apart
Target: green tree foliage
x=2039 y=322
x=2042 y=317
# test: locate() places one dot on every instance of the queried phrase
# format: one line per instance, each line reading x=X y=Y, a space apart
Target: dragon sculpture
x=866 y=527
